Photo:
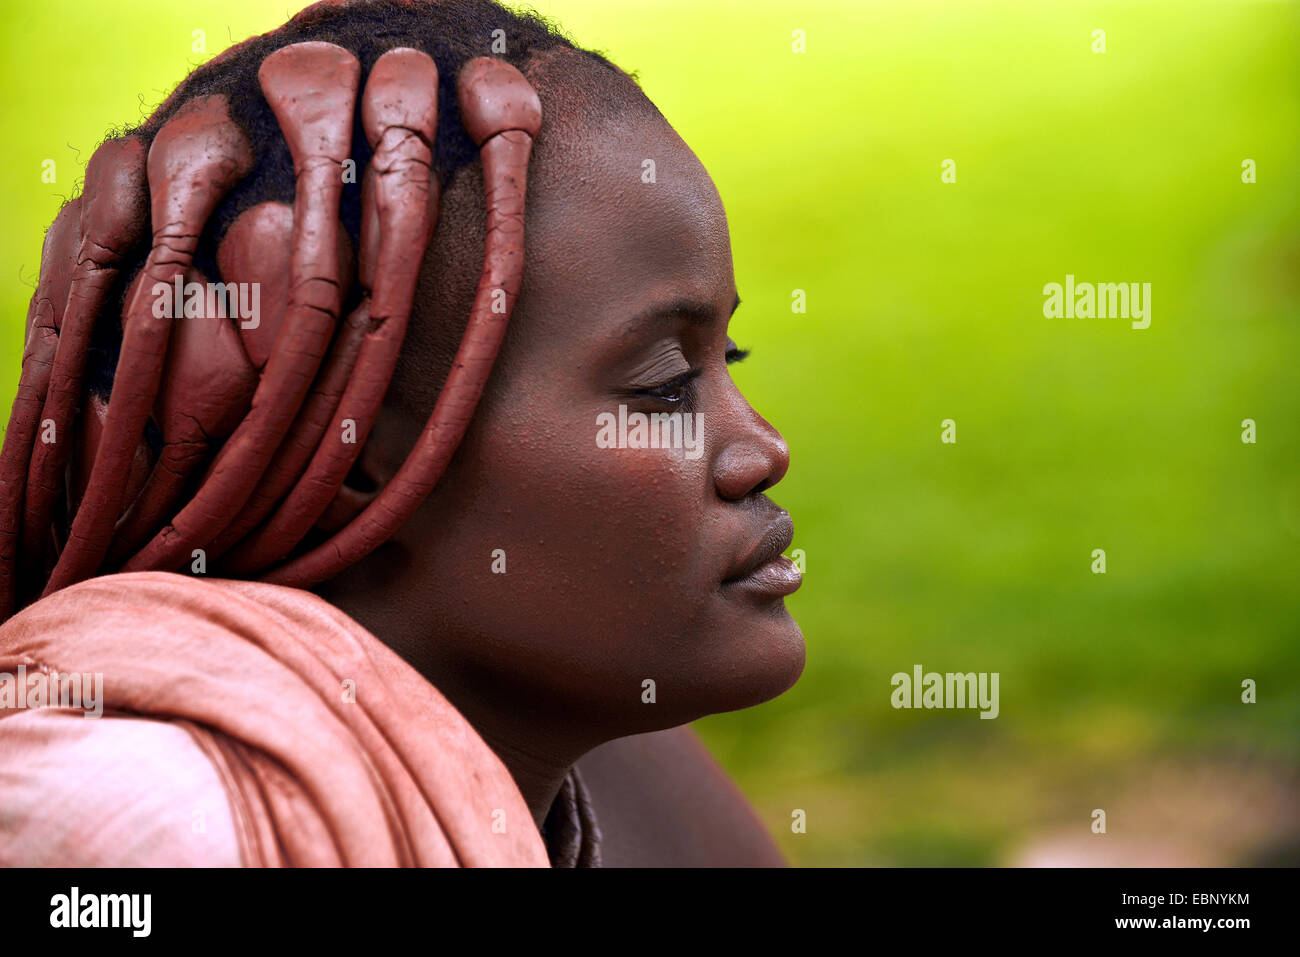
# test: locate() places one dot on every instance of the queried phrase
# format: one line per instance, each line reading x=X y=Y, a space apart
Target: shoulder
x=662 y=800
x=112 y=791
x=249 y=703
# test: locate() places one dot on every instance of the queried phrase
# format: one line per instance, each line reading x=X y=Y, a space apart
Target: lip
x=764 y=570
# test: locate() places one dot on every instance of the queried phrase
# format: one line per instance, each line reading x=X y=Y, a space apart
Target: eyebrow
x=695 y=311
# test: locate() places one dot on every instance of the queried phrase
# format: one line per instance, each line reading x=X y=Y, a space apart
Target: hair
x=249 y=161
x=452 y=32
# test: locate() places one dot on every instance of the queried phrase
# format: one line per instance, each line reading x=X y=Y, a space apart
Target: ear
x=391 y=438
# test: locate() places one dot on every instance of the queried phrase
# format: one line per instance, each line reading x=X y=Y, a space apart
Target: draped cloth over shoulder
x=331 y=749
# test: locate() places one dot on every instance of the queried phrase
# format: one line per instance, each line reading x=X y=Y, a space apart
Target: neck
x=529 y=754
x=537 y=746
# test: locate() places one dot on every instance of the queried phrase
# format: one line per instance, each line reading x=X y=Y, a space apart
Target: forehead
x=619 y=215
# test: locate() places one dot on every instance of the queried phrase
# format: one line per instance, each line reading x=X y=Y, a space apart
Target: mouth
x=764 y=571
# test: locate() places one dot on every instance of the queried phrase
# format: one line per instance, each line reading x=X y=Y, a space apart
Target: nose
x=752 y=460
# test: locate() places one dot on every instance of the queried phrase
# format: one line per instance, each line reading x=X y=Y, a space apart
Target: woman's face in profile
x=569 y=574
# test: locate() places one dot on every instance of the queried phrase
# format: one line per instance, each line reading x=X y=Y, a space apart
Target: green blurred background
x=1118 y=691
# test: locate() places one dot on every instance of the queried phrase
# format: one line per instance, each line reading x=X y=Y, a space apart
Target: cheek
x=620 y=530
x=608 y=563
x=607 y=574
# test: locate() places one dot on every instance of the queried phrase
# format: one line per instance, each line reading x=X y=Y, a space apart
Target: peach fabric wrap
x=244 y=723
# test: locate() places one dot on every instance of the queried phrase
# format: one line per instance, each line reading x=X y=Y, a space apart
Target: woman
x=599 y=563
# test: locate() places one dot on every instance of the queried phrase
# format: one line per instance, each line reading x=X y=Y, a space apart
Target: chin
x=789 y=656
x=768 y=660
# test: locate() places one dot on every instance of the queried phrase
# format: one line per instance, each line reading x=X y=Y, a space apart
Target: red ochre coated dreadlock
x=113 y=213
x=312 y=88
x=399 y=197
x=296 y=396
x=44 y=318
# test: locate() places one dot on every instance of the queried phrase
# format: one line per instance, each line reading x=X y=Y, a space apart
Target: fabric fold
x=330 y=749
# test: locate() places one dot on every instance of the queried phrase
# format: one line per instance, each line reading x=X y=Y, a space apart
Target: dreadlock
x=228 y=443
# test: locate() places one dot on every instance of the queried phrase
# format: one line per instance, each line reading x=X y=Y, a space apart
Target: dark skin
x=621 y=564
x=663 y=801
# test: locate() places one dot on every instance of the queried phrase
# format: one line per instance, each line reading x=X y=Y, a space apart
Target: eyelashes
x=679 y=391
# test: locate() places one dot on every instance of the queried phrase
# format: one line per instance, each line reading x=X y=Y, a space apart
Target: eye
x=678 y=390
